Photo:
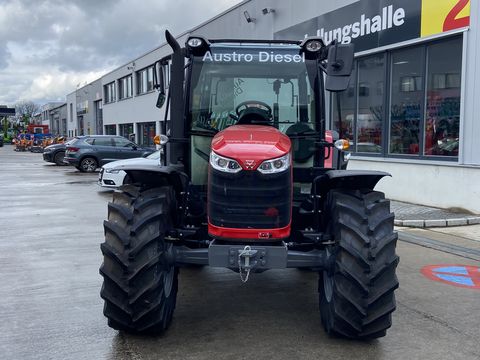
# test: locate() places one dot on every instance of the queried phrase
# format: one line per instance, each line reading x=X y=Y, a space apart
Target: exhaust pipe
x=176 y=126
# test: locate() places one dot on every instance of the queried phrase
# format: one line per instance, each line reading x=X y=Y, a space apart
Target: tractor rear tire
x=140 y=280
x=357 y=289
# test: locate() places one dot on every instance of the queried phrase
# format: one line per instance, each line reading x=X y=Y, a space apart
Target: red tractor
x=250 y=180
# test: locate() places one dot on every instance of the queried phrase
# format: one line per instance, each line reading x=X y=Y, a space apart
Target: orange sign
x=444 y=15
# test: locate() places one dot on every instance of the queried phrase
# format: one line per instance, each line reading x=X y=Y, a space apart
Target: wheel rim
x=327 y=286
x=168 y=280
x=89 y=165
x=328 y=280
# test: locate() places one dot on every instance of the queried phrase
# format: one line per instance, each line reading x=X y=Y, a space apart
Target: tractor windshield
x=273 y=78
x=226 y=79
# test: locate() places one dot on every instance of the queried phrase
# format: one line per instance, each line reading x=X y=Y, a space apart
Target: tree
x=25 y=110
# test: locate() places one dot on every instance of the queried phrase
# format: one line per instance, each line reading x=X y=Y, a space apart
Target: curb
x=471 y=220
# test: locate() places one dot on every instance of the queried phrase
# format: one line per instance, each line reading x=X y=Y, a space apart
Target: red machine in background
x=37 y=129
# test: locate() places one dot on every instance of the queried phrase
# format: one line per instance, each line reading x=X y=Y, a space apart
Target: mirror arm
x=322 y=66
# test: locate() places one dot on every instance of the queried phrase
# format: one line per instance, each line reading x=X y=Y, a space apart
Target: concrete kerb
x=471 y=220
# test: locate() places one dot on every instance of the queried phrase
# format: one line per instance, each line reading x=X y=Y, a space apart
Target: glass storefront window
x=444 y=66
x=126 y=130
x=406 y=100
x=343 y=110
x=414 y=111
x=371 y=96
x=110 y=130
x=147 y=133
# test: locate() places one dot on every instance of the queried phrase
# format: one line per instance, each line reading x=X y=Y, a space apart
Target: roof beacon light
x=313 y=45
x=195 y=42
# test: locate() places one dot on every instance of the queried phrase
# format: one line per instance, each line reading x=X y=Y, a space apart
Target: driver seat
x=254 y=116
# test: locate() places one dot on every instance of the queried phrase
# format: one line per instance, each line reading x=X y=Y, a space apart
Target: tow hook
x=246 y=262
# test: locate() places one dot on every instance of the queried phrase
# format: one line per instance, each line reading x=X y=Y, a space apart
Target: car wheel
x=58 y=158
x=88 y=164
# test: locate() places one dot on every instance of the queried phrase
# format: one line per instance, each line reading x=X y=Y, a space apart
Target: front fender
x=157 y=175
x=347 y=179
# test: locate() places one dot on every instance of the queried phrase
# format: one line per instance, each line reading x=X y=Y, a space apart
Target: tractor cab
x=269 y=88
x=252 y=128
x=278 y=84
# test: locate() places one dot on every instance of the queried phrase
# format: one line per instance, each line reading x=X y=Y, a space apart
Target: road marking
x=468 y=253
x=464 y=276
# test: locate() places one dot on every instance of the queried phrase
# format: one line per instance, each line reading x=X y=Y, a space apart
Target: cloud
x=48 y=46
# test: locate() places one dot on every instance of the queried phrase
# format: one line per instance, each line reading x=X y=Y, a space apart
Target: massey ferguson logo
x=250 y=164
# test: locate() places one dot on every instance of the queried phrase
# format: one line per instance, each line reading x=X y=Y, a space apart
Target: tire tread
x=364 y=279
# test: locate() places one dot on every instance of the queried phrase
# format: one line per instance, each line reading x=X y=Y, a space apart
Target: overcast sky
x=48 y=47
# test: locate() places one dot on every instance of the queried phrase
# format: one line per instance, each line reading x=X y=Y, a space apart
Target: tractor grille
x=249 y=200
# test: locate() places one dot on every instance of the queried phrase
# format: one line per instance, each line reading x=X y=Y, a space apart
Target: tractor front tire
x=357 y=289
x=140 y=281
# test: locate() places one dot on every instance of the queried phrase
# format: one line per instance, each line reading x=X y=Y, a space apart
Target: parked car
x=110 y=178
x=89 y=152
x=55 y=153
x=1 y=140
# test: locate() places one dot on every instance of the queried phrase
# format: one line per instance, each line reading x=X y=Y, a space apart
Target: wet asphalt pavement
x=50 y=231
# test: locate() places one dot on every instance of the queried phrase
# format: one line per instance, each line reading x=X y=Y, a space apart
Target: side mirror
x=161 y=86
x=339 y=66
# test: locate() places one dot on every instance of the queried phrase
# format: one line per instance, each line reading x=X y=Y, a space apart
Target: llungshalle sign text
x=374 y=23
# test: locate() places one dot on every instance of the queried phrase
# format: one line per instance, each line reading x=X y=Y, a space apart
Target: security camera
x=266 y=11
x=248 y=17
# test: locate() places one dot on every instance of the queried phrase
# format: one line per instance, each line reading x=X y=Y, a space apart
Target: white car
x=110 y=178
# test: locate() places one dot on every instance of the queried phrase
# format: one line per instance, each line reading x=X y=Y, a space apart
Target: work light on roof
x=195 y=42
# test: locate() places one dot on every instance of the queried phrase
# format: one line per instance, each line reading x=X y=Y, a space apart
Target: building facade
x=410 y=108
x=84 y=110
x=44 y=117
x=58 y=120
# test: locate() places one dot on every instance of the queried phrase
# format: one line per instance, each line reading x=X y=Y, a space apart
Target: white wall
x=433 y=184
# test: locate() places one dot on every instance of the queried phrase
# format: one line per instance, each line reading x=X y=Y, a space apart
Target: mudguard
x=347 y=179
x=157 y=175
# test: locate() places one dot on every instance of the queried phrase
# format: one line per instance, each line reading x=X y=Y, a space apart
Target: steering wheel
x=254 y=104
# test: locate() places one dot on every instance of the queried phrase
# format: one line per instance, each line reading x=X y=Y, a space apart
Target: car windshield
x=227 y=79
x=154 y=156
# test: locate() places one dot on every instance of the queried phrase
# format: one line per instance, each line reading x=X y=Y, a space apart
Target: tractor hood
x=251 y=143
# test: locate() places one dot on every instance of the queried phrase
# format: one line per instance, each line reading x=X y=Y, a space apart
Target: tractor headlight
x=224 y=164
x=275 y=165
